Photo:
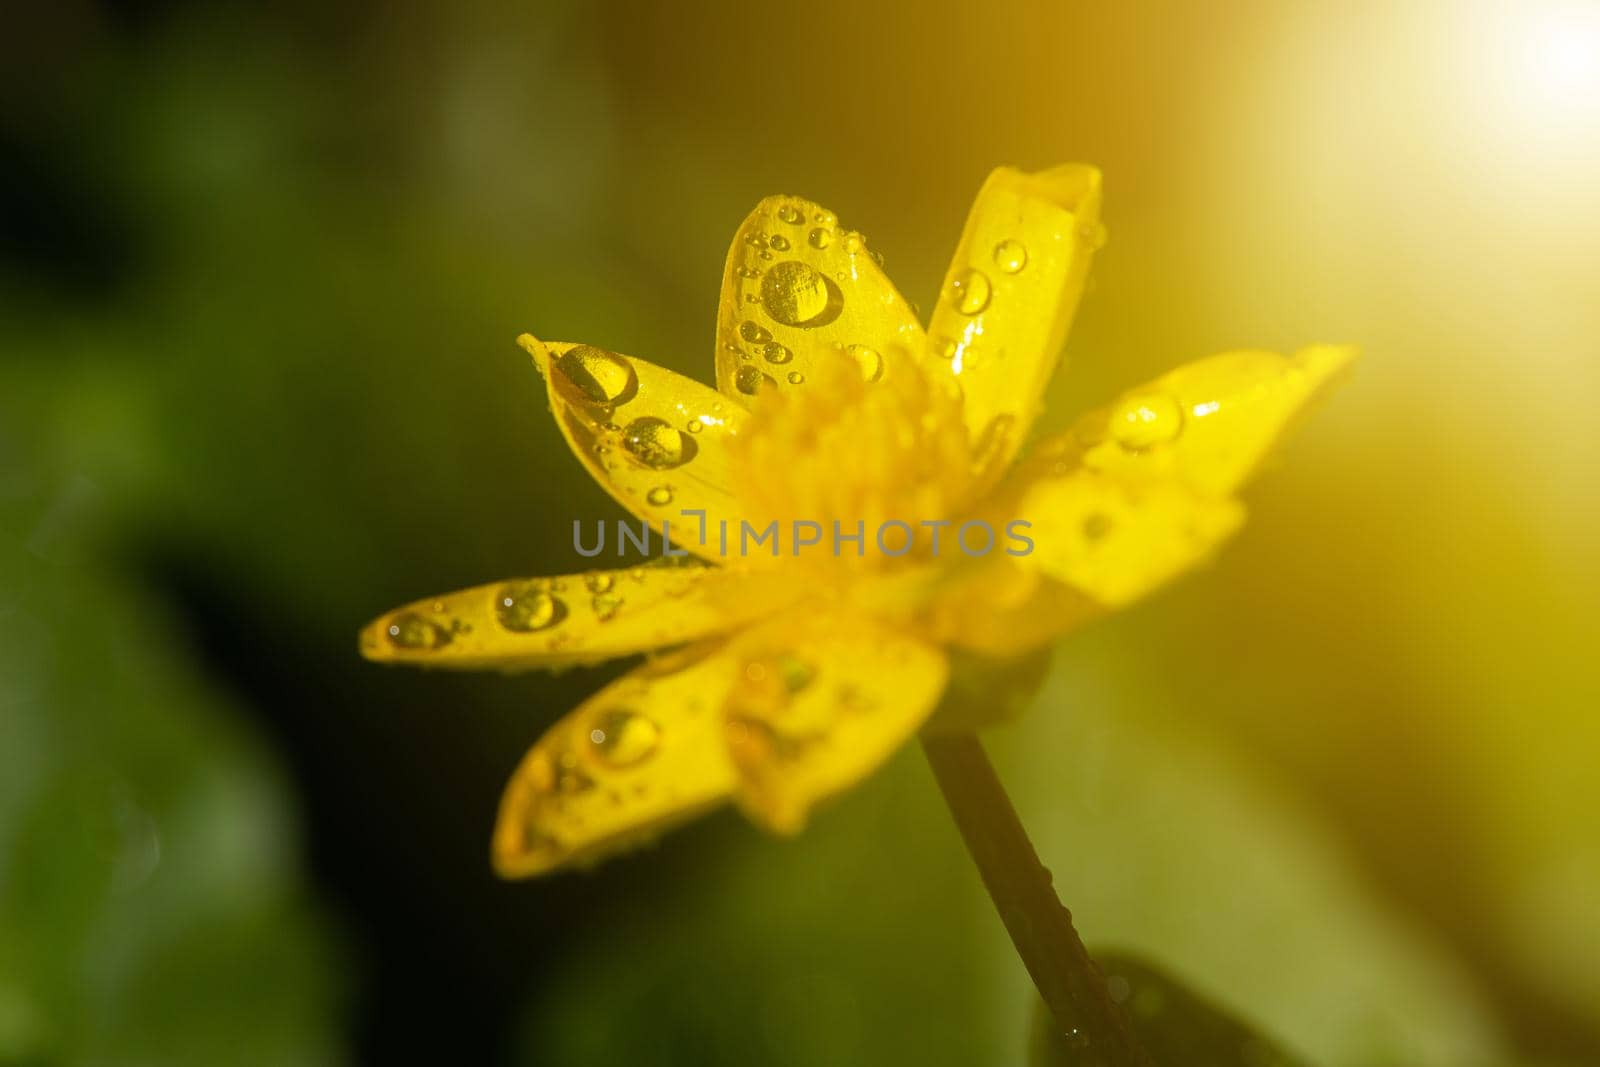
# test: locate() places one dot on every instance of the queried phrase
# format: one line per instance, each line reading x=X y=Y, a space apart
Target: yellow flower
x=793 y=675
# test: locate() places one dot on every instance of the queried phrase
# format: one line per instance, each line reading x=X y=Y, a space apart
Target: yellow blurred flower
x=875 y=465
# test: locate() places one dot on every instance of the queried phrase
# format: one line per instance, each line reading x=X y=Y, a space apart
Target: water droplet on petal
x=657 y=444
x=696 y=426
x=413 y=631
x=776 y=353
x=820 y=238
x=754 y=332
x=1141 y=421
x=1010 y=256
x=749 y=380
x=659 y=497
x=796 y=378
x=791 y=214
x=526 y=607
x=870 y=362
x=780 y=243
x=622 y=737
x=605 y=606
x=599 y=582
x=796 y=294
x=598 y=376
x=969 y=291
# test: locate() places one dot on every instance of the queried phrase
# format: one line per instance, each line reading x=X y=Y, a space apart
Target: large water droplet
x=413 y=631
x=773 y=352
x=780 y=243
x=753 y=332
x=657 y=444
x=598 y=376
x=791 y=214
x=748 y=380
x=969 y=291
x=526 y=607
x=796 y=294
x=1145 y=420
x=622 y=737
x=820 y=238
x=869 y=360
x=1010 y=256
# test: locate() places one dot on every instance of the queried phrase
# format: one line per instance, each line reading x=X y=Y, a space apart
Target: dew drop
x=754 y=332
x=749 y=380
x=599 y=582
x=412 y=631
x=622 y=737
x=755 y=240
x=600 y=377
x=796 y=294
x=605 y=606
x=696 y=426
x=870 y=362
x=969 y=291
x=1145 y=420
x=773 y=352
x=820 y=238
x=657 y=444
x=749 y=272
x=791 y=214
x=796 y=378
x=659 y=497
x=1010 y=256
x=780 y=243
x=567 y=777
x=527 y=607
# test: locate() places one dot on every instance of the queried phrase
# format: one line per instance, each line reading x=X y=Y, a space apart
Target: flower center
x=874 y=447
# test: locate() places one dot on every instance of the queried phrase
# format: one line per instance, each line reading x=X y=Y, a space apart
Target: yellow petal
x=797 y=285
x=1208 y=424
x=1115 y=541
x=1138 y=493
x=639 y=756
x=657 y=441
x=524 y=623
x=1009 y=298
x=819 y=703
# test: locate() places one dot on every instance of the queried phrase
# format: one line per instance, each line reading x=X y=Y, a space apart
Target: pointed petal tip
x=1327 y=362
x=1074 y=187
x=535 y=348
x=371 y=643
x=516 y=851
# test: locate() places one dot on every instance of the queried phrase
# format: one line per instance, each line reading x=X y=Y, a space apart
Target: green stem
x=1092 y=1025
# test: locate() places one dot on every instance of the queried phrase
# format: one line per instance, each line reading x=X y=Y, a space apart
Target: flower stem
x=1092 y=1024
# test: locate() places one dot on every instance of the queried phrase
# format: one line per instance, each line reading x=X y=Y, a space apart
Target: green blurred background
x=261 y=272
